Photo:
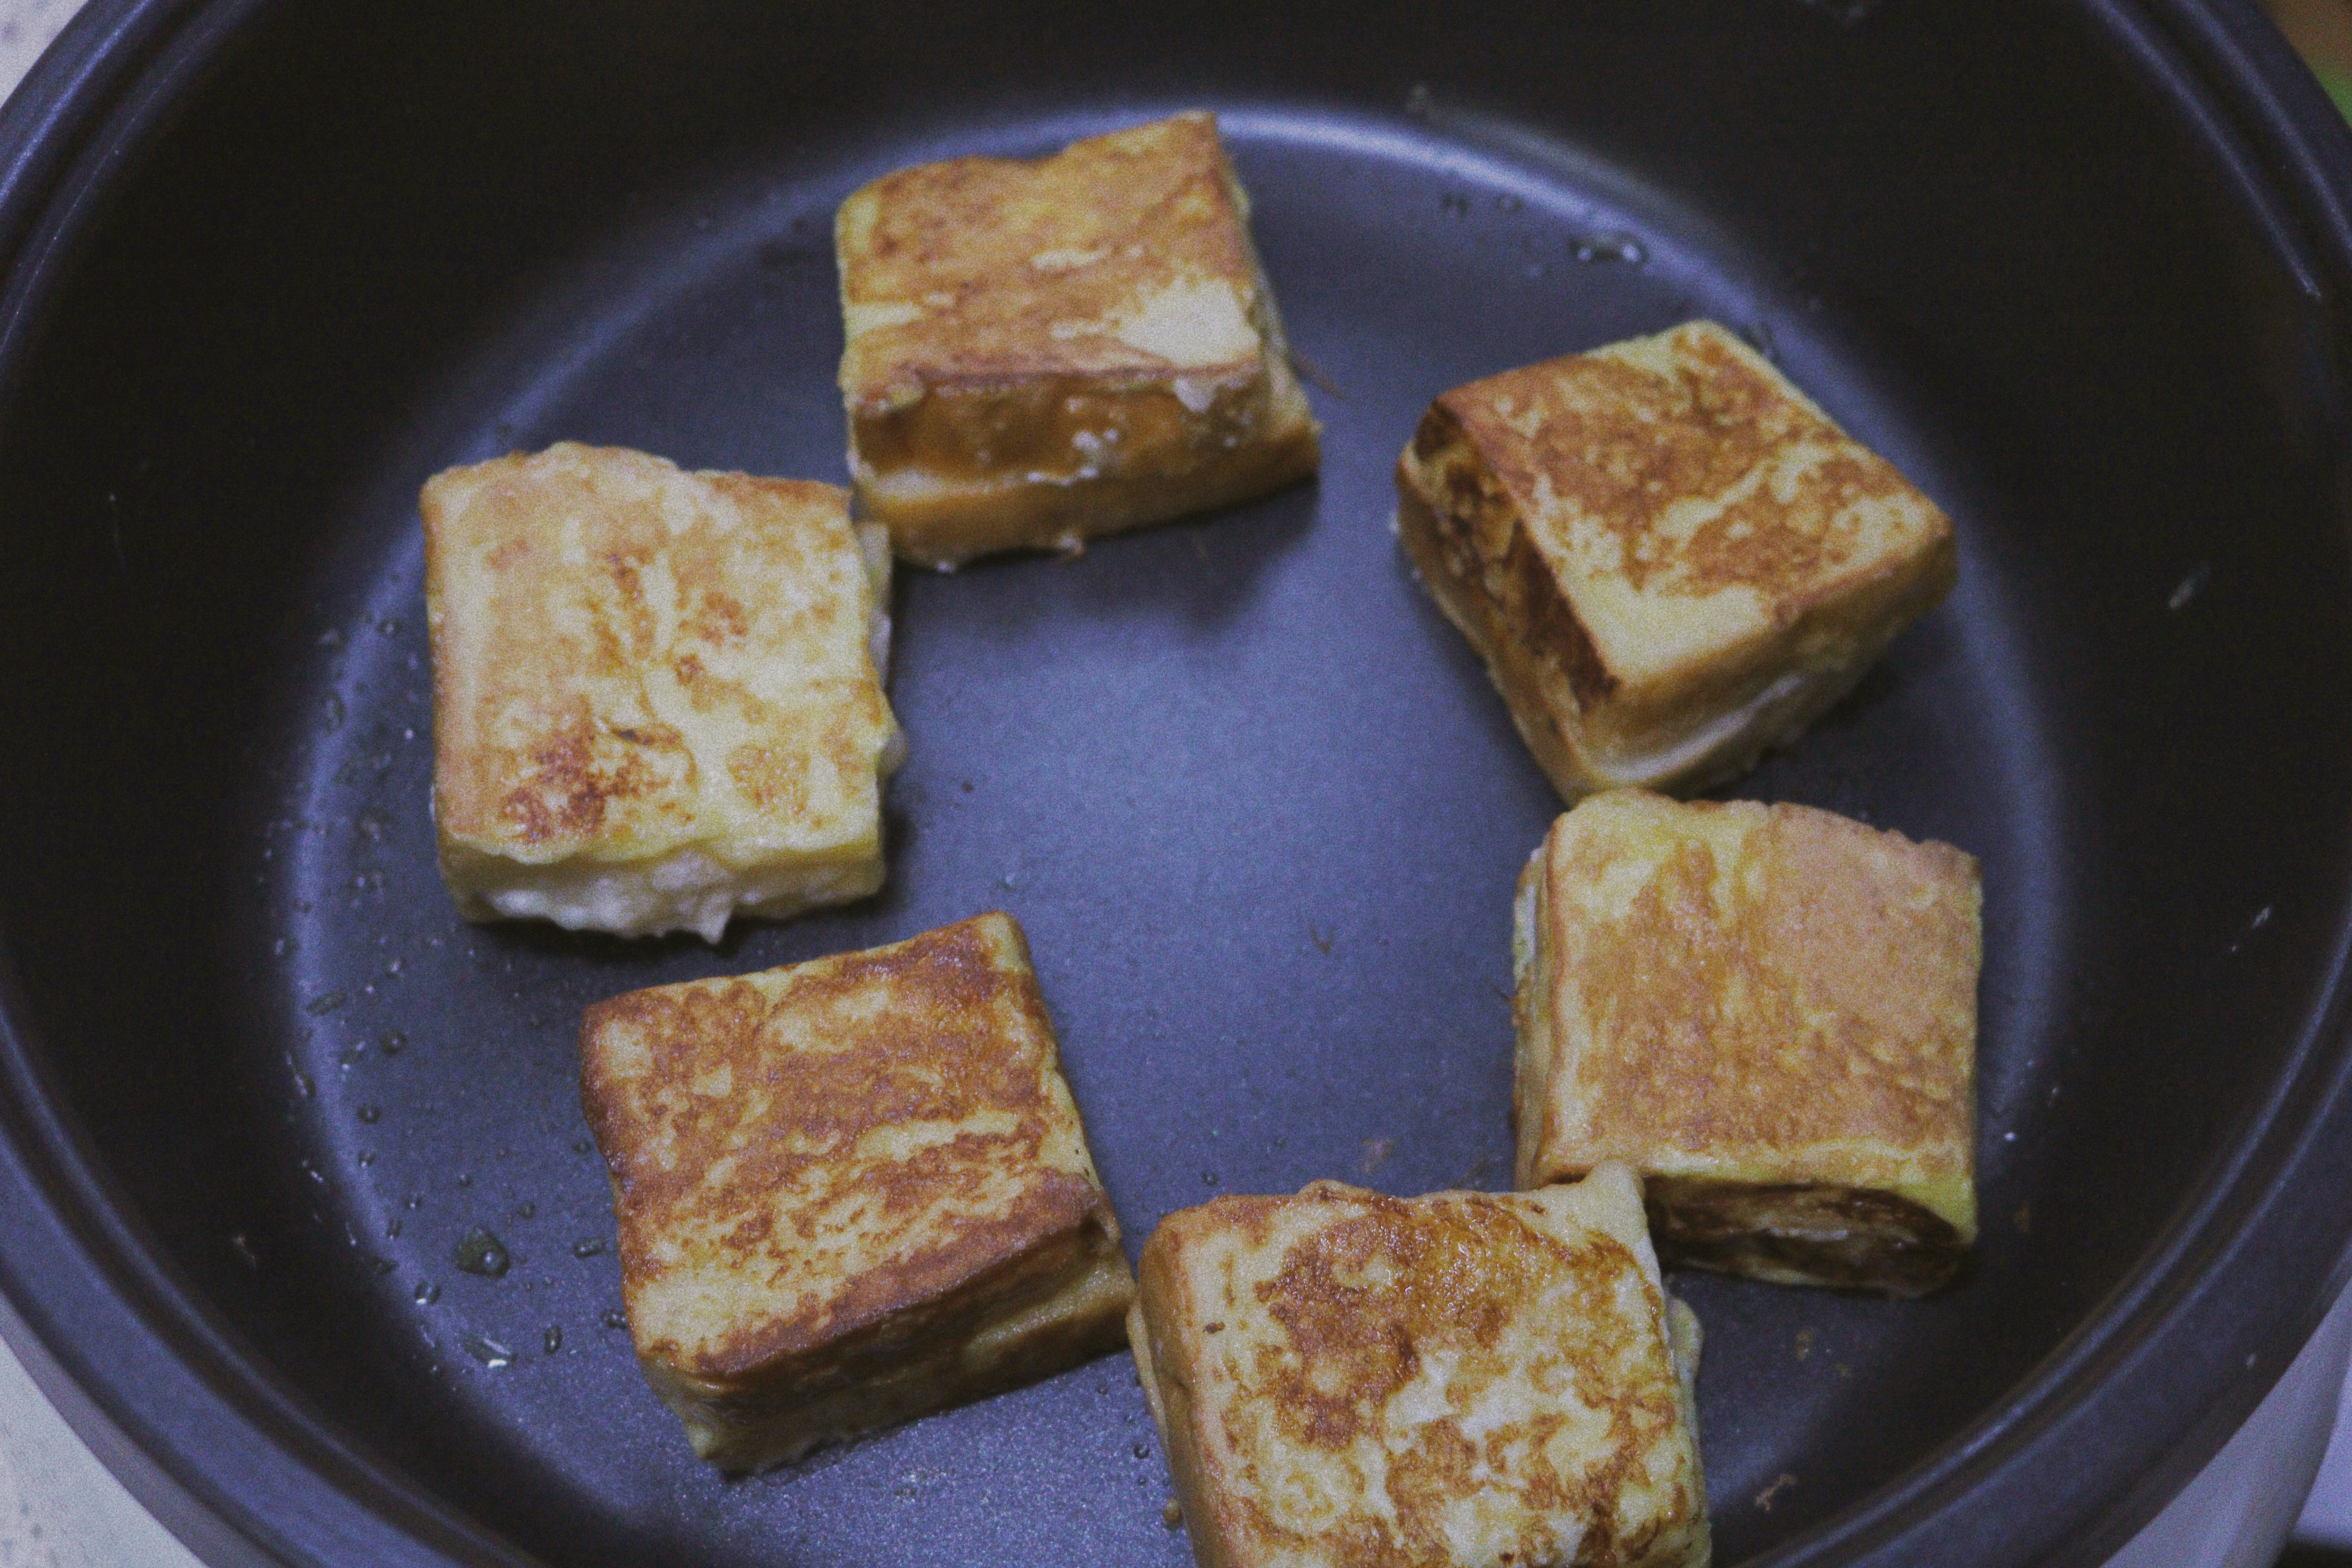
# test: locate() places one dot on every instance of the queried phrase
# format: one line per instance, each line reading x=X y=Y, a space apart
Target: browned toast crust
x=829 y=1176
x=1668 y=558
x=659 y=678
x=1349 y=1379
x=1770 y=1012
x=1042 y=352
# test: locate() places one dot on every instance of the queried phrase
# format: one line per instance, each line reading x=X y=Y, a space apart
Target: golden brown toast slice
x=849 y=1192
x=1041 y=352
x=1769 y=1012
x=656 y=695
x=1346 y=1380
x=1668 y=557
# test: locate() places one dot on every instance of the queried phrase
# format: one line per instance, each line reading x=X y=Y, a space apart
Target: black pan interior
x=1253 y=799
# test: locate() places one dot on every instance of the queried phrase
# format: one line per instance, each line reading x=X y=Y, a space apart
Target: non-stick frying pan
x=2081 y=270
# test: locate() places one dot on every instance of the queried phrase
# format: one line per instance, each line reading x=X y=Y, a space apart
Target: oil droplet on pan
x=479 y=1252
x=488 y=1350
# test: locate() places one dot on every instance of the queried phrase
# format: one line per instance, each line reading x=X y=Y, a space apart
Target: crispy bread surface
x=1350 y=1380
x=849 y=1191
x=1668 y=556
x=1770 y=1012
x=656 y=695
x=1040 y=351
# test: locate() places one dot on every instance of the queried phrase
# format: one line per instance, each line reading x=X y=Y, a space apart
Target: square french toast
x=1770 y=1014
x=1041 y=352
x=1471 y=1379
x=849 y=1192
x=1669 y=559
x=656 y=695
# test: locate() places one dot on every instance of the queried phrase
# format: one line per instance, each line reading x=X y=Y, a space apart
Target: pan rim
x=2158 y=1375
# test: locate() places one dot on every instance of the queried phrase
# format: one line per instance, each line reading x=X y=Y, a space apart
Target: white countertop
x=26 y=28
x=59 y=1508
x=2328 y=1513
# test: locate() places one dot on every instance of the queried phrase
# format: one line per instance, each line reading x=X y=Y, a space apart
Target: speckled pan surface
x=1251 y=798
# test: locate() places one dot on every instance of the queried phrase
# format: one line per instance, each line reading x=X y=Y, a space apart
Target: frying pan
x=2080 y=270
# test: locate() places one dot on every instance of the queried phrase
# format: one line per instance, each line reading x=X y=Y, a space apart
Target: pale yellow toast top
x=1358 y=1381
x=1122 y=255
x=631 y=660
x=1750 y=994
x=1687 y=498
x=802 y=1154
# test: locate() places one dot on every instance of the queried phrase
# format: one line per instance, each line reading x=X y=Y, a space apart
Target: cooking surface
x=1252 y=797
